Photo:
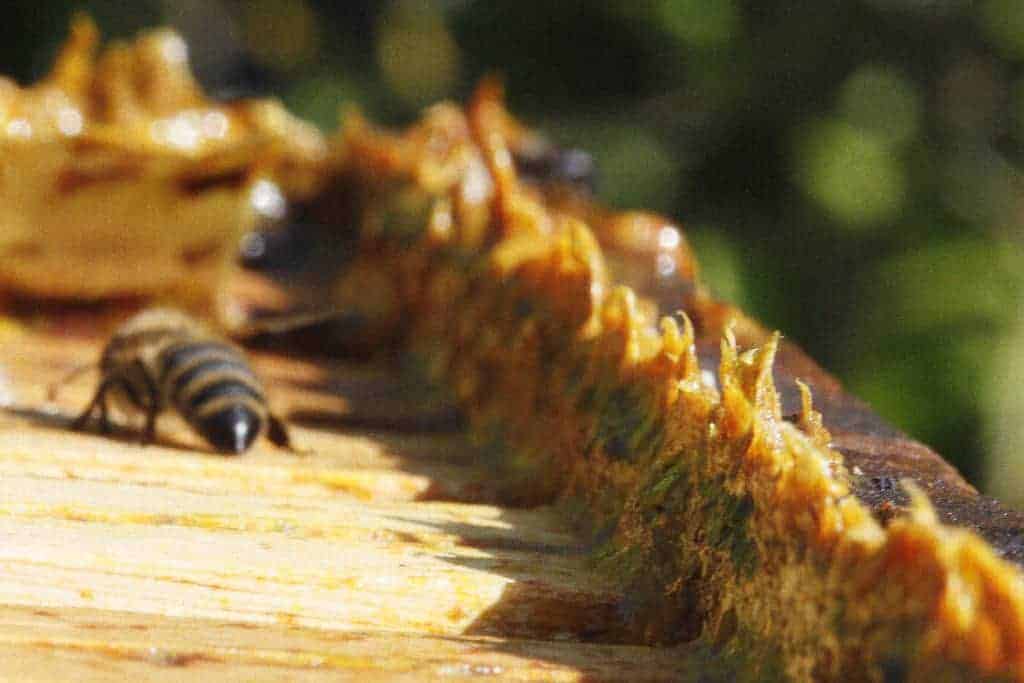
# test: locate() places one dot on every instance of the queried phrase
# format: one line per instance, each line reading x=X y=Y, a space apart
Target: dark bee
x=553 y=164
x=164 y=359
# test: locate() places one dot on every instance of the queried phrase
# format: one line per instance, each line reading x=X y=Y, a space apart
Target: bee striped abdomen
x=212 y=386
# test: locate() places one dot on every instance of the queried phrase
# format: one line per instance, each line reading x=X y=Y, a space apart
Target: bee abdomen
x=214 y=389
x=201 y=375
x=181 y=357
x=223 y=391
x=207 y=384
x=232 y=428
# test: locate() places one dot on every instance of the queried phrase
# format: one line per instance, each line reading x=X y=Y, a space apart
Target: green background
x=848 y=171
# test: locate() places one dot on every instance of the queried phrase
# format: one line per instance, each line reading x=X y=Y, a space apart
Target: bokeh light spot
x=701 y=23
x=320 y=99
x=417 y=54
x=283 y=34
x=850 y=173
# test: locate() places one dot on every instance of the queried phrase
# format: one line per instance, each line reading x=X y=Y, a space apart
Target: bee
x=553 y=164
x=162 y=359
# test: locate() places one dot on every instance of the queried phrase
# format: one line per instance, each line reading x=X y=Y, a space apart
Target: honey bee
x=548 y=163
x=161 y=359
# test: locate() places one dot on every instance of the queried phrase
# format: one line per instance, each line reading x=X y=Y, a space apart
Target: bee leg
x=278 y=433
x=104 y=420
x=99 y=400
x=151 y=403
x=149 y=432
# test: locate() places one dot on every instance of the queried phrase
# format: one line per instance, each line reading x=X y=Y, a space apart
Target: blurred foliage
x=851 y=169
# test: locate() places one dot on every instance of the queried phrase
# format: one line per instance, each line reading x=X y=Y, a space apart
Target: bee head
x=231 y=430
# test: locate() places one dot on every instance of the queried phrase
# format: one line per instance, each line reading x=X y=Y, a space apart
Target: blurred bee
x=548 y=163
x=161 y=359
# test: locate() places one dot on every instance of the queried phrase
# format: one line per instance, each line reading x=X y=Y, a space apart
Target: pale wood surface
x=379 y=556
